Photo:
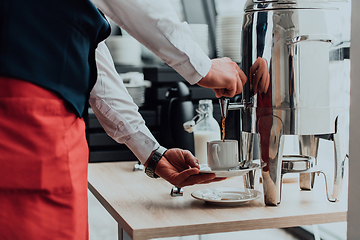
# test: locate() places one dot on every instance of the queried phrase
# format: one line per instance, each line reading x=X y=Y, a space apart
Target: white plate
x=204 y=168
x=226 y=196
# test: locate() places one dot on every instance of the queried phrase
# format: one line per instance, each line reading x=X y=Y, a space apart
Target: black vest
x=52 y=43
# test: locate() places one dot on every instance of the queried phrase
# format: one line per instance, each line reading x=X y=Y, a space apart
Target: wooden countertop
x=144 y=208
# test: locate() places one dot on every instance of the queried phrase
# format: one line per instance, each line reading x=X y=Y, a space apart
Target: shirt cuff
x=141 y=145
x=195 y=75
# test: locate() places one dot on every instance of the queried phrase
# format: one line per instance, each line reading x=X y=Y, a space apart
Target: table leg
x=122 y=235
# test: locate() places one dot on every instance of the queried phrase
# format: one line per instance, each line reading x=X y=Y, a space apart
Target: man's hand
x=225 y=78
x=181 y=168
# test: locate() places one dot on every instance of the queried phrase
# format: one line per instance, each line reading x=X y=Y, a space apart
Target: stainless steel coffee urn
x=298 y=53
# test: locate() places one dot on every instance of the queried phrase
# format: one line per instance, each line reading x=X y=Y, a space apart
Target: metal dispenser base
x=276 y=165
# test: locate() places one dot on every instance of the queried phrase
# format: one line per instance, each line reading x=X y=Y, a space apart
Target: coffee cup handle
x=215 y=149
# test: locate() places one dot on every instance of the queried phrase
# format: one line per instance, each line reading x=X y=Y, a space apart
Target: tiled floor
x=101 y=225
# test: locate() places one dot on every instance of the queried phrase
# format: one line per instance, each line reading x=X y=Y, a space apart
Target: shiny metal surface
x=300 y=52
x=271 y=149
x=308 y=146
x=297 y=163
x=224 y=104
x=247 y=144
x=177 y=192
x=138 y=167
x=292 y=55
x=246 y=155
x=341 y=139
x=265 y=5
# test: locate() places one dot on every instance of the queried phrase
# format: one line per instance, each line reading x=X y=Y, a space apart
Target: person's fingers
x=239 y=82
x=195 y=179
x=221 y=92
x=233 y=80
x=178 y=179
x=243 y=78
x=225 y=78
x=190 y=159
x=217 y=179
x=226 y=59
x=230 y=92
x=235 y=88
x=218 y=93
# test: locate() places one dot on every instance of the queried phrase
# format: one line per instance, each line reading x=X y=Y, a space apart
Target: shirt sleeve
x=156 y=25
x=116 y=111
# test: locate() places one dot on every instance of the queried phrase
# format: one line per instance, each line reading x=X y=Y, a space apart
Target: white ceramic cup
x=222 y=155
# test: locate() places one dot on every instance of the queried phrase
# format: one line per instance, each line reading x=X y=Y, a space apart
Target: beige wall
x=354 y=163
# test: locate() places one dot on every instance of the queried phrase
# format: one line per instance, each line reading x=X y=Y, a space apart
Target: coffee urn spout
x=225 y=106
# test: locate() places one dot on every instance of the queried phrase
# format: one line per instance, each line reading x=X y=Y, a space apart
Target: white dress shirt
x=155 y=25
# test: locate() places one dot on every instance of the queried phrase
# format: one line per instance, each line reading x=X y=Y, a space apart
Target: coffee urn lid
x=265 y=5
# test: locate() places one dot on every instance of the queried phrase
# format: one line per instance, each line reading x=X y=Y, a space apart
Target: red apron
x=43 y=165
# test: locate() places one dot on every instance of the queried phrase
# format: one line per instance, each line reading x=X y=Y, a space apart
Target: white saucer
x=204 y=168
x=226 y=196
